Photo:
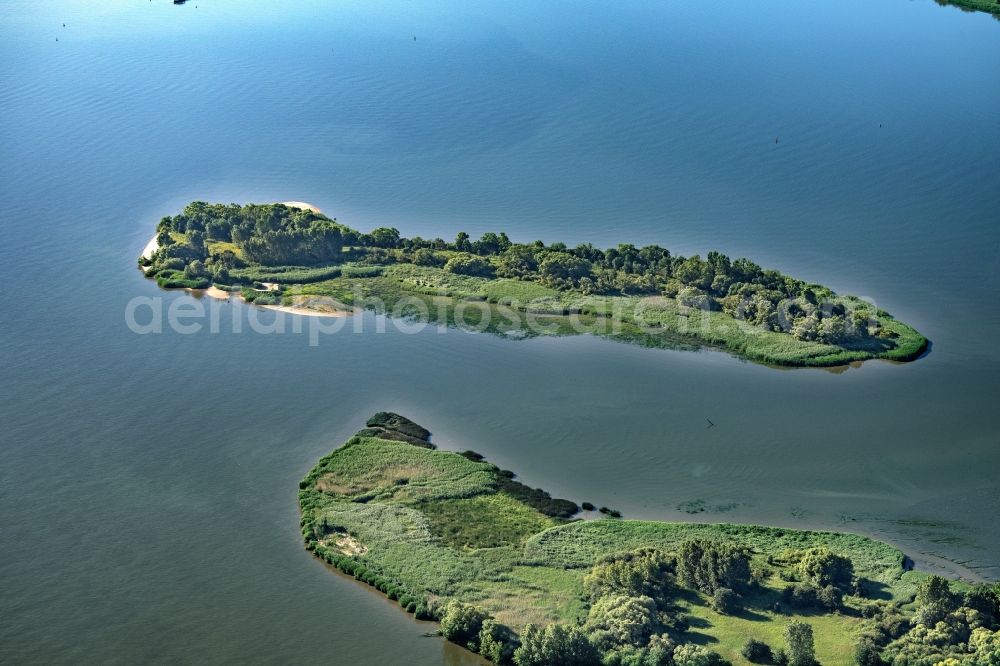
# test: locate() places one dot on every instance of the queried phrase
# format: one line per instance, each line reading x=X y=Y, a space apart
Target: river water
x=148 y=482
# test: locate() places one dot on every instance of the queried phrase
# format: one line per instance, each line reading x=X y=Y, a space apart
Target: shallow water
x=148 y=482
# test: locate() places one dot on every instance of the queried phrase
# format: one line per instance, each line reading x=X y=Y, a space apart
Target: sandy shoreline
x=303 y=205
x=151 y=247
x=306 y=312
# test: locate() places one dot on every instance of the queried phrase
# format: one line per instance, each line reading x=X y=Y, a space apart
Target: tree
x=469 y=264
x=861 y=321
x=757 y=652
x=867 y=653
x=218 y=230
x=426 y=257
x=985 y=646
x=617 y=620
x=462 y=623
x=934 y=600
x=806 y=328
x=761 y=310
x=706 y=566
x=517 y=261
x=195 y=269
x=387 y=237
x=163 y=238
x=556 y=645
x=823 y=567
x=799 y=639
x=695 y=272
x=496 y=642
x=696 y=655
x=562 y=266
x=726 y=601
x=831 y=330
x=642 y=573
x=196 y=239
x=985 y=599
x=462 y=243
x=830 y=598
x=491 y=243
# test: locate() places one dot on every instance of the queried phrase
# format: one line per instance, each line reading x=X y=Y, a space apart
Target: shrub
x=695 y=655
x=830 y=598
x=393 y=421
x=617 y=620
x=802 y=596
x=497 y=642
x=706 y=566
x=934 y=600
x=824 y=567
x=757 y=652
x=425 y=257
x=646 y=573
x=537 y=498
x=985 y=599
x=556 y=645
x=176 y=280
x=726 y=601
x=473 y=456
x=285 y=274
x=894 y=626
x=461 y=623
x=469 y=264
x=867 y=653
x=361 y=271
x=799 y=638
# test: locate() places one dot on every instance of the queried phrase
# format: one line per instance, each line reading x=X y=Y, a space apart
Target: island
x=988 y=6
x=516 y=575
x=294 y=256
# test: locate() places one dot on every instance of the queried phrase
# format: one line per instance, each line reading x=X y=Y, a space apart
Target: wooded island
x=645 y=295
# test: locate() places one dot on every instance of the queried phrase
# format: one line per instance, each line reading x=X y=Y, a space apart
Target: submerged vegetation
x=644 y=295
x=509 y=573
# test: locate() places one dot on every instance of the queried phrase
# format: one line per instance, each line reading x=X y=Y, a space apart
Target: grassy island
x=280 y=255
x=513 y=574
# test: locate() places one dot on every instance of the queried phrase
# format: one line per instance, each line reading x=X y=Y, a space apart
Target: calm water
x=147 y=483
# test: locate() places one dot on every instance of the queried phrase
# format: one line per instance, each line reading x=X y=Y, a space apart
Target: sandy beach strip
x=215 y=292
x=151 y=247
x=306 y=312
x=303 y=205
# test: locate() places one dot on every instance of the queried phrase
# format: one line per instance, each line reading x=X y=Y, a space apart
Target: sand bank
x=215 y=292
x=151 y=247
x=303 y=205
x=306 y=312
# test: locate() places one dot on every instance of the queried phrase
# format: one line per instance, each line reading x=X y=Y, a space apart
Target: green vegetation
x=510 y=573
x=646 y=295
